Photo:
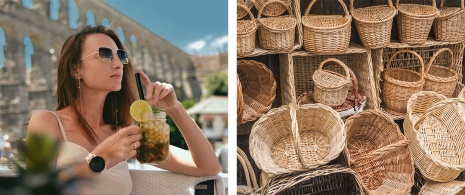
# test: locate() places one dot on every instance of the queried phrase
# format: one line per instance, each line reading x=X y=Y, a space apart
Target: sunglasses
x=106 y=55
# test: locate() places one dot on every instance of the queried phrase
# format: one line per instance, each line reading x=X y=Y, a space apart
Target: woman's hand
x=120 y=146
x=161 y=95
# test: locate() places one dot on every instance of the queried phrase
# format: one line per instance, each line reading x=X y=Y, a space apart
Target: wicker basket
x=326 y=34
x=450 y=24
x=462 y=93
x=448 y=188
x=240 y=101
x=246 y=32
x=258 y=88
x=415 y=22
x=332 y=179
x=330 y=87
x=374 y=24
x=439 y=78
x=399 y=84
x=277 y=33
x=243 y=12
x=312 y=135
x=436 y=129
x=251 y=179
x=271 y=10
x=377 y=151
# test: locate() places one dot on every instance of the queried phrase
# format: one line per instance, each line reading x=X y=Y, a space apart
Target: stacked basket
x=331 y=88
x=245 y=32
x=415 y=21
x=439 y=78
x=276 y=32
x=450 y=24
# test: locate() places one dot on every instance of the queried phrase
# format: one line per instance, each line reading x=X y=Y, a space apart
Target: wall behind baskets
x=293 y=70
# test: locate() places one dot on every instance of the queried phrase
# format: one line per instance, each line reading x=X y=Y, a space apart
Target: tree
x=217 y=84
x=176 y=138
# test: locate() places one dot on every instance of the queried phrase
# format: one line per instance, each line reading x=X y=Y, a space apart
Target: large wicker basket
x=332 y=179
x=436 y=129
x=377 y=151
x=312 y=135
x=240 y=101
x=415 y=22
x=374 y=23
x=399 y=84
x=251 y=179
x=246 y=32
x=448 y=188
x=258 y=88
x=278 y=32
x=326 y=34
x=331 y=88
x=450 y=24
x=271 y=10
x=439 y=78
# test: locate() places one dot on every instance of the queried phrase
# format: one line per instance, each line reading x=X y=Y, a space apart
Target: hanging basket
x=374 y=24
x=246 y=32
x=331 y=88
x=250 y=177
x=439 y=78
x=326 y=34
x=240 y=101
x=448 y=188
x=436 y=129
x=271 y=10
x=258 y=88
x=377 y=151
x=243 y=12
x=288 y=139
x=277 y=32
x=450 y=24
x=399 y=84
x=415 y=22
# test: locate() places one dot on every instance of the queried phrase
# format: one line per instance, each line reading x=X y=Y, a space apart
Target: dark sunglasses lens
x=123 y=56
x=105 y=53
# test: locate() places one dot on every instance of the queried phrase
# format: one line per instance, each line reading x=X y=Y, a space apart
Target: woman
x=92 y=122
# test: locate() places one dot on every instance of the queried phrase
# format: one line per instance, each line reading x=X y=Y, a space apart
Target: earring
x=116 y=112
x=80 y=94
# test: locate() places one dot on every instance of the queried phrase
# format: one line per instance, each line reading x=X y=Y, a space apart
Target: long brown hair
x=67 y=88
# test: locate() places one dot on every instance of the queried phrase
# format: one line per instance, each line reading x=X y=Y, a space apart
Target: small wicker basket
x=310 y=136
x=439 y=78
x=278 y=32
x=374 y=24
x=240 y=101
x=415 y=22
x=436 y=128
x=331 y=88
x=448 y=188
x=399 y=84
x=251 y=179
x=243 y=12
x=271 y=10
x=246 y=32
x=326 y=34
x=450 y=24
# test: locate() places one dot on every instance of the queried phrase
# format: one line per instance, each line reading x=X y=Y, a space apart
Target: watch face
x=97 y=164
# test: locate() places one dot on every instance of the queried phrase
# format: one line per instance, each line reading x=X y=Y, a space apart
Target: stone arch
x=90 y=18
x=73 y=14
x=120 y=33
x=29 y=4
x=54 y=9
x=105 y=22
x=28 y=52
x=2 y=44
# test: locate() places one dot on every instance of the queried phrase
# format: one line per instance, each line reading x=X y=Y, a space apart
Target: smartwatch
x=96 y=163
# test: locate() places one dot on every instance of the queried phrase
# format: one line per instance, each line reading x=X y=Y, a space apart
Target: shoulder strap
x=61 y=126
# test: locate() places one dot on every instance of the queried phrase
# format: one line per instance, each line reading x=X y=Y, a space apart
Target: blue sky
x=195 y=26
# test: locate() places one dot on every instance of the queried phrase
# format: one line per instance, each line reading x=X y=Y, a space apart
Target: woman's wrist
x=177 y=108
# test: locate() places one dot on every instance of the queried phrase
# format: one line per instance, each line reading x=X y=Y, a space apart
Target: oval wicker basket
x=331 y=88
x=251 y=179
x=436 y=129
x=448 y=188
x=246 y=32
x=312 y=135
x=449 y=25
x=240 y=101
x=258 y=88
x=439 y=78
x=326 y=34
x=378 y=152
x=399 y=84
x=271 y=10
x=374 y=24
x=278 y=32
x=415 y=21
x=242 y=12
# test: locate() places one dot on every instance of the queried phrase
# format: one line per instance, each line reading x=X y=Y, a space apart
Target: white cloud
x=220 y=41
x=197 y=45
x=207 y=46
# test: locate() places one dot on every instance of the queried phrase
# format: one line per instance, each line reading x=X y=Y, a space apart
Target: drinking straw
x=139 y=87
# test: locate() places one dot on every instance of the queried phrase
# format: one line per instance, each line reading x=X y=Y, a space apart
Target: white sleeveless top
x=115 y=180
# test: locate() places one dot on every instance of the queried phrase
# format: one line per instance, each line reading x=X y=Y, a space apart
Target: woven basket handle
x=249 y=172
x=271 y=2
x=434 y=3
x=380 y=151
x=351 y=7
x=338 y=62
x=247 y=10
x=355 y=84
x=436 y=54
x=307 y=11
x=461 y=4
x=438 y=106
x=295 y=133
x=388 y=65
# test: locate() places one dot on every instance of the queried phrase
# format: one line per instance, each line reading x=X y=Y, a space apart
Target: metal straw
x=139 y=87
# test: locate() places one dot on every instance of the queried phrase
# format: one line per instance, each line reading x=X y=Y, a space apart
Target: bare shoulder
x=44 y=121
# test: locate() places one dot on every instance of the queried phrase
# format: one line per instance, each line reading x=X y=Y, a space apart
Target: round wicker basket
x=448 y=188
x=439 y=78
x=415 y=22
x=331 y=88
x=278 y=32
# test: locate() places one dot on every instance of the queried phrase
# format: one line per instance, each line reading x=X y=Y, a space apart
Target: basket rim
x=441 y=5
x=439 y=79
x=391 y=80
x=348 y=22
x=432 y=15
x=393 y=14
x=247 y=33
x=294 y=23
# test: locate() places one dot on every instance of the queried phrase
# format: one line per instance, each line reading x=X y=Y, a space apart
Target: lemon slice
x=140 y=110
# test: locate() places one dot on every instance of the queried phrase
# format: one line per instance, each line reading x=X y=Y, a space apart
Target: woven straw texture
x=242 y=12
x=415 y=21
x=399 y=84
x=240 y=100
x=450 y=24
x=436 y=128
x=439 y=78
x=326 y=34
x=258 y=88
x=333 y=179
x=271 y=10
x=251 y=179
x=377 y=151
x=246 y=32
x=288 y=139
x=277 y=32
x=462 y=93
x=448 y=188
x=374 y=24
x=331 y=88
